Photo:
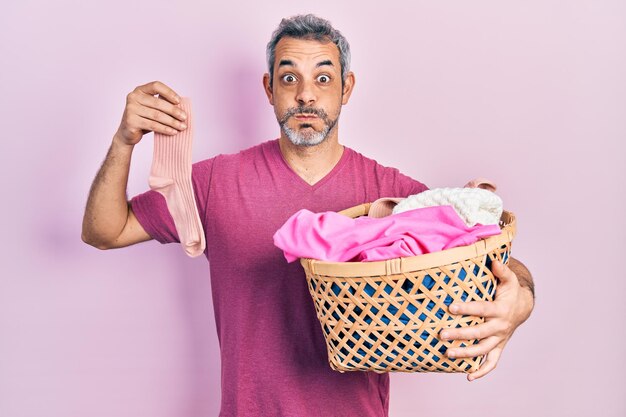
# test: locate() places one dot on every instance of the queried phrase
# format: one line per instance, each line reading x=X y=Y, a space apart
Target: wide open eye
x=289 y=78
x=324 y=79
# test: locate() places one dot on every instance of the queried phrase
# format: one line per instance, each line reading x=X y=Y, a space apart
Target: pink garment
x=331 y=236
x=483 y=183
x=170 y=176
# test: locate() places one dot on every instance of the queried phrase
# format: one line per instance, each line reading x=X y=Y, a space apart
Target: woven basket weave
x=386 y=316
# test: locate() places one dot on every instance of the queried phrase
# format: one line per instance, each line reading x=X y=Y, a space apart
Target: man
x=273 y=355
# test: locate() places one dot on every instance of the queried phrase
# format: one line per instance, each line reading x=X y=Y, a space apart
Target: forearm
x=523 y=275
x=106 y=211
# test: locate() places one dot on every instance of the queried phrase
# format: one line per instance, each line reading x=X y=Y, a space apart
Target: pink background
x=530 y=94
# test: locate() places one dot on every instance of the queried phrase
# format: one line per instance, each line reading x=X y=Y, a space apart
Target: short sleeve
x=151 y=211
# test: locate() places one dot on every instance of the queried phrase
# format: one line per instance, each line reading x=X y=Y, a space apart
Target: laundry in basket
x=386 y=315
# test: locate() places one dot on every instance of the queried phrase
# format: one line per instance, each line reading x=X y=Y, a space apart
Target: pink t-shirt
x=273 y=355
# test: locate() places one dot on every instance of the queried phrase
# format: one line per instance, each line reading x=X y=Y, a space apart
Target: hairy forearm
x=523 y=275
x=106 y=211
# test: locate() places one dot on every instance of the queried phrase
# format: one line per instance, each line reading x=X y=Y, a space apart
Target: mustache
x=292 y=111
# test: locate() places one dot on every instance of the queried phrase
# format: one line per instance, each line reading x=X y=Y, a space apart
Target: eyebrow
x=327 y=62
x=284 y=62
x=289 y=62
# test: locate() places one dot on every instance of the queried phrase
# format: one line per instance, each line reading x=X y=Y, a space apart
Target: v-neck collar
x=297 y=179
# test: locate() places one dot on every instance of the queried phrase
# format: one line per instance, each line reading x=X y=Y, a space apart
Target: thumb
x=501 y=271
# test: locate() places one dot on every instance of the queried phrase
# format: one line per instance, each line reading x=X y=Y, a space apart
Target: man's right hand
x=109 y=221
x=146 y=113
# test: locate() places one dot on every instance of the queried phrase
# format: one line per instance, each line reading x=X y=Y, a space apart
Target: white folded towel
x=473 y=205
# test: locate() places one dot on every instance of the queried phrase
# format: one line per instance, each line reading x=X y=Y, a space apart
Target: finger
x=151 y=125
x=489 y=365
x=157 y=114
x=157 y=87
x=479 y=331
x=482 y=348
x=474 y=308
x=149 y=107
x=502 y=272
x=161 y=104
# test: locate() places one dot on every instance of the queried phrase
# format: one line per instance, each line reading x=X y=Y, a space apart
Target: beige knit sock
x=170 y=175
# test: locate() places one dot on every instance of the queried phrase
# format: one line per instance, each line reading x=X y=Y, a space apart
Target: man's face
x=307 y=92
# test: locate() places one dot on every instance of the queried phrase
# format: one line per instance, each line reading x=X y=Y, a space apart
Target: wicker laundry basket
x=386 y=316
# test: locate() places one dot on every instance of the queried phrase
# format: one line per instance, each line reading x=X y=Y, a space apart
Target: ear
x=348 y=86
x=267 y=88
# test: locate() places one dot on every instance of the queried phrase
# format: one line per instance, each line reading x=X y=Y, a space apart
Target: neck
x=311 y=163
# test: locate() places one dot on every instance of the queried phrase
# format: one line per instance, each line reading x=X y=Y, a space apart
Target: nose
x=305 y=95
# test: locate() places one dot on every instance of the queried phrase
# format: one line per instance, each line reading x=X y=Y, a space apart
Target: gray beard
x=309 y=138
x=305 y=138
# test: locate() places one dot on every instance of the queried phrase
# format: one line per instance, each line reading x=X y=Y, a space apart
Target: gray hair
x=309 y=27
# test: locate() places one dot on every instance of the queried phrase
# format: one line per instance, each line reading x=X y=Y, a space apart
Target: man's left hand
x=510 y=308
